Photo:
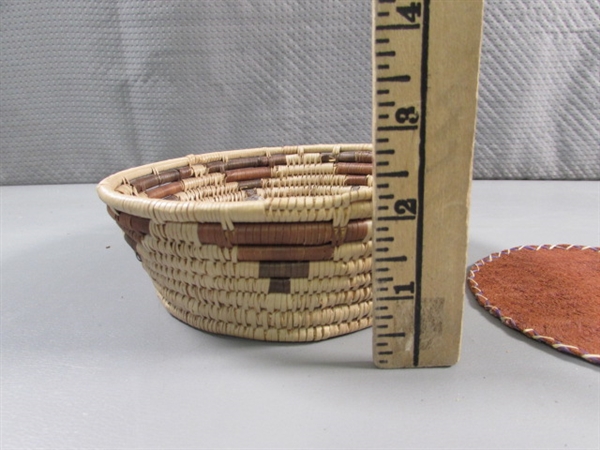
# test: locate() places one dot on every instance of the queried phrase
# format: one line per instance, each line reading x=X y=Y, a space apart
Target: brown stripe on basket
x=285 y=253
x=283 y=269
x=296 y=233
x=279 y=286
x=359 y=157
x=145 y=182
x=248 y=162
x=253 y=173
x=129 y=222
x=354 y=168
x=281 y=160
x=134 y=228
x=165 y=190
x=357 y=180
x=249 y=184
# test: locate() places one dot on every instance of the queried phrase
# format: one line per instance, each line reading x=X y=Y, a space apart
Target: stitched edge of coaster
x=510 y=322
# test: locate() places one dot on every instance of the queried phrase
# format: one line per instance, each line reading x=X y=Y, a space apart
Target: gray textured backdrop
x=92 y=87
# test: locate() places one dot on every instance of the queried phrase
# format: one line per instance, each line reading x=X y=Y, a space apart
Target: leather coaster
x=551 y=293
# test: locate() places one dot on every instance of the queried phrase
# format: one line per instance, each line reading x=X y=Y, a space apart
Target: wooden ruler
x=426 y=65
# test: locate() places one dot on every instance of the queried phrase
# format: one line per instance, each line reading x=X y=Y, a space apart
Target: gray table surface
x=90 y=359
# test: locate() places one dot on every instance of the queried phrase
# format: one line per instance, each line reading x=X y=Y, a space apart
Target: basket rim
x=227 y=213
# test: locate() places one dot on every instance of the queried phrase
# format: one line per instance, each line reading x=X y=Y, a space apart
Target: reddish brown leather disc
x=551 y=293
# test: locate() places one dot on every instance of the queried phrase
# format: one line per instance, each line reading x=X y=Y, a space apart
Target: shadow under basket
x=270 y=244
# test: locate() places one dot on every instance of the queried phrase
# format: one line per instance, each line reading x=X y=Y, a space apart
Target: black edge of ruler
x=421 y=190
x=419 y=216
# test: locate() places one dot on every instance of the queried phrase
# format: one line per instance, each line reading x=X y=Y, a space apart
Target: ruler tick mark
x=383 y=163
x=386 y=54
x=400 y=174
x=396 y=78
x=393 y=259
x=383 y=66
x=382 y=41
x=384 y=116
x=383 y=92
x=386 y=197
x=398 y=297
x=385 y=279
x=400 y=334
x=399 y=26
x=397 y=218
x=398 y=127
x=389 y=151
x=383 y=186
x=385 y=104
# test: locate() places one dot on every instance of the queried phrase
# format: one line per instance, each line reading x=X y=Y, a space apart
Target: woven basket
x=270 y=244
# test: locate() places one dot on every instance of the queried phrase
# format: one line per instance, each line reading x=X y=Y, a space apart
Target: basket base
x=304 y=334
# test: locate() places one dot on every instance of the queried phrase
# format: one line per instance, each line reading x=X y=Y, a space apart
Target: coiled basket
x=270 y=244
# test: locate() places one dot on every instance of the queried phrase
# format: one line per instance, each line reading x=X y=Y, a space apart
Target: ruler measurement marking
x=393 y=259
x=408 y=210
x=396 y=218
x=394 y=79
x=392 y=334
x=421 y=182
x=399 y=26
x=398 y=127
x=385 y=280
x=399 y=174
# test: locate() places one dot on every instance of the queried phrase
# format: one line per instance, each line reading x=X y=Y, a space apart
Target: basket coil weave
x=269 y=244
